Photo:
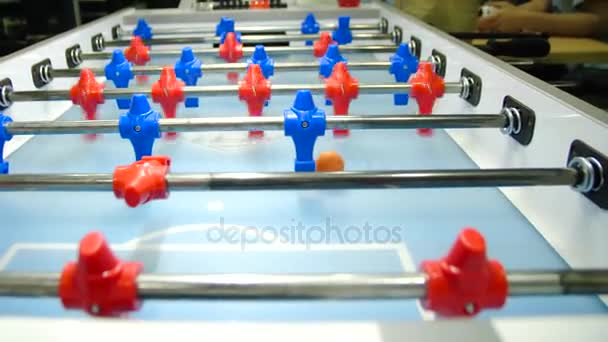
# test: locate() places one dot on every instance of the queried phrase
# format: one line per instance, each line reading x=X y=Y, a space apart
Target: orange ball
x=330 y=162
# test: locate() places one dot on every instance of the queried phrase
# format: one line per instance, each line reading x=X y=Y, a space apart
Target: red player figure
x=255 y=89
x=341 y=89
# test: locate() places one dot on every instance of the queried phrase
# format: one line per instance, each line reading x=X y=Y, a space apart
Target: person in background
x=447 y=15
x=576 y=18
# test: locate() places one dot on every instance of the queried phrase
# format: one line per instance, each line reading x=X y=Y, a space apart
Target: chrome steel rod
x=272 y=50
x=223 y=90
x=254 y=286
x=253 y=39
x=58 y=182
x=335 y=122
x=21 y=284
x=277 y=89
x=57 y=73
x=307 y=181
x=260 y=123
x=251 y=29
x=329 y=286
x=374 y=179
x=575 y=282
x=39 y=95
x=62 y=127
x=227 y=67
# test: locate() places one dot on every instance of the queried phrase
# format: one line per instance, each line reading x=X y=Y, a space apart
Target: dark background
x=24 y=22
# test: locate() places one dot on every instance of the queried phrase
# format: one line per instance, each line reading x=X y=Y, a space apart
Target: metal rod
x=261 y=123
x=63 y=127
x=58 y=182
x=335 y=122
x=223 y=90
x=252 y=29
x=327 y=286
x=227 y=67
x=21 y=284
x=574 y=282
x=307 y=181
x=273 y=50
x=254 y=286
x=373 y=180
x=39 y=95
x=255 y=39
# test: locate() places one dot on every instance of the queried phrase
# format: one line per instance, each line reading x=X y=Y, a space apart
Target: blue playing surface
x=347 y=231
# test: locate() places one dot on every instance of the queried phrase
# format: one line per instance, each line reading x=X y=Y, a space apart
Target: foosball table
x=308 y=173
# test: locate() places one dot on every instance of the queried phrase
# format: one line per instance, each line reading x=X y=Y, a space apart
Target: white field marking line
x=8 y=255
x=227 y=247
x=407 y=264
x=187 y=228
x=405 y=260
x=192 y=247
x=276 y=244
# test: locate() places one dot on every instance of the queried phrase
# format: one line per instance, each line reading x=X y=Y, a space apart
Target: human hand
x=503 y=21
x=501 y=5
